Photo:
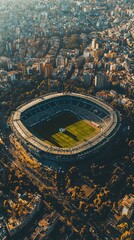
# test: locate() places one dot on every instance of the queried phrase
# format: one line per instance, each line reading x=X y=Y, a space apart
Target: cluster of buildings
x=124 y=208
x=88 y=43
x=116 y=98
x=19 y=208
x=21 y=211
x=36 y=42
x=3 y=229
x=45 y=226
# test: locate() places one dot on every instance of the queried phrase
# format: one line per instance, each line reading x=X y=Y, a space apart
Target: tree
x=81 y=205
x=127 y=235
x=122 y=227
x=85 y=233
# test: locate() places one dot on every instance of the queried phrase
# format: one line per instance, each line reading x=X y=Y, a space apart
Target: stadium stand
x=84 y=106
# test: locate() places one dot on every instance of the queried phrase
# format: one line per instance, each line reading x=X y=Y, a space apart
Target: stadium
x=65 y=127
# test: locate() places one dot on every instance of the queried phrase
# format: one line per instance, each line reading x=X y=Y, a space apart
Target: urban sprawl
x=72 y=47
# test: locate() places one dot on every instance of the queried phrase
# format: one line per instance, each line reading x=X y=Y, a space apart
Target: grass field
x=76 y=130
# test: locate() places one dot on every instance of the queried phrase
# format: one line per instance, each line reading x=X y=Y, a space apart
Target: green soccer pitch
x=75 y=132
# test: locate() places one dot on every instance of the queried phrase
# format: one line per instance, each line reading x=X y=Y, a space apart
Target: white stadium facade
x=45 y=108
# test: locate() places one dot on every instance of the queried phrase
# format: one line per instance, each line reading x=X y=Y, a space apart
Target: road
x=60 y=200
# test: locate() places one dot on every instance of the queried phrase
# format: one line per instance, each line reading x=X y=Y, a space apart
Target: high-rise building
x=61 y=61
x=48 y=69
x=86 y=53
x=94 y=43
x=23 y=71
x=87 y=77
x=96 y=53
x=101 y=81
